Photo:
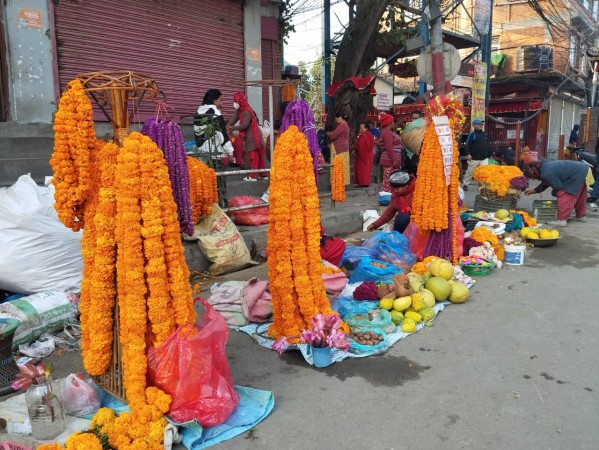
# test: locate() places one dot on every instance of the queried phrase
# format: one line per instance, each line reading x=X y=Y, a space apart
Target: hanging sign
x=445 y=136
x=479 y=91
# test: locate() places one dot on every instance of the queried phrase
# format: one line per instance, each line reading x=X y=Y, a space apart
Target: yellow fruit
x=414 y=316
x=554 y=234
x=533 y=231
x=396 y=317
x=501 y=214
x=402 y=303
x=459 y=293
x=545 y=234
x=439 y=287
x=386 y=303
x=532 y=236
x=408 y=327
x=417 y=301
x=427 y=298
x=441 y=268
x=524 y=231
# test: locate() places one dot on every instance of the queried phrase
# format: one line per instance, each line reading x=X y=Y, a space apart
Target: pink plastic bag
x=79 y=397
x=254 y=216
x=191 y=366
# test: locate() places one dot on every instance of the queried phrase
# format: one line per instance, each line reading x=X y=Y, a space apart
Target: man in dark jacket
x=477 y=151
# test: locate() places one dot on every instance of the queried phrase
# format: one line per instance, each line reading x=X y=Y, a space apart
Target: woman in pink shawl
x=249 y=133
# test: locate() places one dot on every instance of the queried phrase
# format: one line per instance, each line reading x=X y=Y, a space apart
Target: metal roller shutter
x=187 y=46
x=555 y=119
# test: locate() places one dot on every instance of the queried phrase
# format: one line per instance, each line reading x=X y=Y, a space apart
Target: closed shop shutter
x=186 y=46
x=555 y=118
x=271 y=70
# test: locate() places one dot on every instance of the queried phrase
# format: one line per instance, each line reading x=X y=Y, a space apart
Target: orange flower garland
x=294 y=239
x=338 y=180
x=497 y=178
x=202 y=188
x=422 y=266
x=288 y=93
x=530 y=221
x=74 y=140
x=430 y=206
x=482 y=234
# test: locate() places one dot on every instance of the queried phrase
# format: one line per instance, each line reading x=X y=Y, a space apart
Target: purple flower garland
x=298 y=113
x=169 y=138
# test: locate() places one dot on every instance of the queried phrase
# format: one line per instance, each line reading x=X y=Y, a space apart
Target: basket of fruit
x=542 y=237
x=475 y=266
x=368 y=341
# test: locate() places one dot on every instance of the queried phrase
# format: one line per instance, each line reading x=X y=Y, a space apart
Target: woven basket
x=488 y=194
x=413 y=135
x=8 y=366
x=477 y=270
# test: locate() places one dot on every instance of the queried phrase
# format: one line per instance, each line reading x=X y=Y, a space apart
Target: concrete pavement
x=514 y=367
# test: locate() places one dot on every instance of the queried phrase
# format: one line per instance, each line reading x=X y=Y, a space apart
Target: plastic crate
x=482 y=204
x=544 y=210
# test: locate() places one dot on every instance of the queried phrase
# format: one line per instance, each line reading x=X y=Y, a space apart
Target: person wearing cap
x=339 y=139
x=477 y=151
x=390 y=144
x=568 y=181
x=403 y=185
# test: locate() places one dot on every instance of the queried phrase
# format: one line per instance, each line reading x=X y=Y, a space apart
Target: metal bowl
x=543 y=242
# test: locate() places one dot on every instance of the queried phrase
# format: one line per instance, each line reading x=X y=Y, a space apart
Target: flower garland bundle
x=141 y=429
x=98 y=287
x=338 y=181
x=496 y=178
x=202 y=188
x=293 y=243
x=528 y=221
x=74 y=140
x=298 y=113
x=169 y=138
x=430 y=205
x=422 y=266
x=288 y=93
x=482 y=234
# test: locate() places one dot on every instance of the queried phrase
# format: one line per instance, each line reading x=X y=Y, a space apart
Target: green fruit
x=396 y=317
x=439 y=287
x=502 y=214
x=427 y=298
x=427 y=314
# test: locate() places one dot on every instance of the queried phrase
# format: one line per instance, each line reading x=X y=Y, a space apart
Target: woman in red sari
x=364 y=155
x=390 y=143
x=250 y=134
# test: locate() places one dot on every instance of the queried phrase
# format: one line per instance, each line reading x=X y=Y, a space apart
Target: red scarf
x=240 y=99
x=403 y=201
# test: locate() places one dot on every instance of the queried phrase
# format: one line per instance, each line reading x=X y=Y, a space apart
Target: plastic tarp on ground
x=254 y=406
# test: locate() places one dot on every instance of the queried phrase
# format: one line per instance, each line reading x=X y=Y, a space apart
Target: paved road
x=516 y=367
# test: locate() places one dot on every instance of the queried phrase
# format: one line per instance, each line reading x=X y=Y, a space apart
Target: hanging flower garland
x=294 y=240
x=288 y=93
x=74 y=140
x=202 y=188
x=169 y=138
x=300 y=114
x=338 y=181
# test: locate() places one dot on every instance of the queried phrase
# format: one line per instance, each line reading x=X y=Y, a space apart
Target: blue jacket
x=561 y=175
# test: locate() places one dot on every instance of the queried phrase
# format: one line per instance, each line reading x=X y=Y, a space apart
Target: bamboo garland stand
x=114 y=93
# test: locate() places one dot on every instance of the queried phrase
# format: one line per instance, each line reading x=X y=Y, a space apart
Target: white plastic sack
x=38 y=252
x=369 y=217
x=79 y=396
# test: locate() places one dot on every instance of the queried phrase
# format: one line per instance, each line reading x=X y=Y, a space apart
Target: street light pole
x=437 y=49
x=326 y=53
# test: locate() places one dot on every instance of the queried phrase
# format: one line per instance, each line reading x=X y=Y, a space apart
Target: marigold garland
x=202 y=188
x=81 y=441
x=338 y=180
x=293 y=241
x=528 y=221
x=483 y=234
x=422 y=266
x=74 y=141
x=55 y=446
x=288 y=93
x=496 y=177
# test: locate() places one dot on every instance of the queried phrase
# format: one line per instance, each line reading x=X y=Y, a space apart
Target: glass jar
x=45 y=410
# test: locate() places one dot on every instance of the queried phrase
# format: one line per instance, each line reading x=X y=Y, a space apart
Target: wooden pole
x=517 y=149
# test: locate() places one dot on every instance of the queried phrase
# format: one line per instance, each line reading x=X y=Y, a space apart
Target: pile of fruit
x=421 y=293
x=539 y=233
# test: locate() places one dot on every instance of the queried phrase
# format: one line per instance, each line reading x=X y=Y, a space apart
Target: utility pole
x=437 y=49
x=326 y=53
x=486 y=41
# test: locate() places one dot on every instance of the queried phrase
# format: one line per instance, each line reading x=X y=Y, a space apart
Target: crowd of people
x=239 y=141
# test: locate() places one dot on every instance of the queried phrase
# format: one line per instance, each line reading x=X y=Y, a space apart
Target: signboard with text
x=384 y=101
x=479 y=91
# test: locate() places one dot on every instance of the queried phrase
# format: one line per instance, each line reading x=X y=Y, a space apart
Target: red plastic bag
x=254 y=216
x=191 y=366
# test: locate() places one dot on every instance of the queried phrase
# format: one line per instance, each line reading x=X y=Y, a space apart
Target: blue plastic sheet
x=370 y=269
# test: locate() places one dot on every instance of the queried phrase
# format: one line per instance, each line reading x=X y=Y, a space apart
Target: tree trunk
x=355 y=58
